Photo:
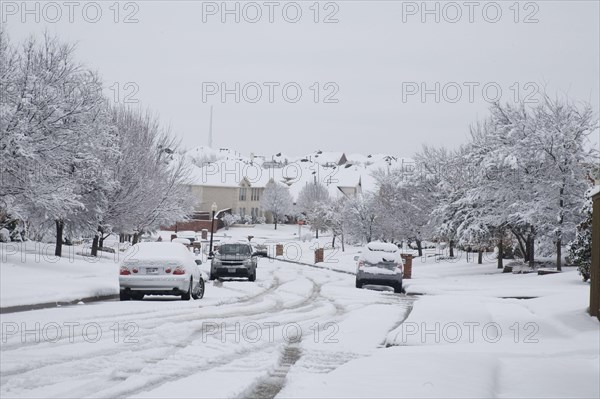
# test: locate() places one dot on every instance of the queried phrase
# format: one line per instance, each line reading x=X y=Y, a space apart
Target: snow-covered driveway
x=240 y=340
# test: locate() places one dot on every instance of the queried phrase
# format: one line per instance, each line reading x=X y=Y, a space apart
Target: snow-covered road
x=241 y=340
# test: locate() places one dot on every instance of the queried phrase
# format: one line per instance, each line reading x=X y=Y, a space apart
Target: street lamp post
x=212 y=227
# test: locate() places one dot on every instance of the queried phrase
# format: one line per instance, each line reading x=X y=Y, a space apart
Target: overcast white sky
x=374 y=54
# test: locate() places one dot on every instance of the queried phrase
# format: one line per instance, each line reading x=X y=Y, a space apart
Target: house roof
x=230 y=169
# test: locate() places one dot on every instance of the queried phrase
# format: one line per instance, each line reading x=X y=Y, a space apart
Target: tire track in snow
x=314 y=293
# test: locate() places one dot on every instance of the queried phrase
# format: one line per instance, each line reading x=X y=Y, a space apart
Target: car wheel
x=359 y=284
x=398 y=288
x=200 y=290
x=252 y=277
x=188 y=294
x=137 y=296
x=124 y=296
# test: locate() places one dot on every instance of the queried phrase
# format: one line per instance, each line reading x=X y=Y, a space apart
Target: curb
x=47 y=305
x=310 y=265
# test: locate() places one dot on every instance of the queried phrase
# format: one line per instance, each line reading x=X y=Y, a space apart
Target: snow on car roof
x=158 y=251
x=382 y=246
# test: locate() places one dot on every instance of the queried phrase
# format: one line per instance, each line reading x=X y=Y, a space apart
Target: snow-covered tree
x=363 y=218
x=526 y=171
x=277 y=200
x=69 y=160
x=312 y=200
x=563 y=130
x=51 y=132
x=150 y=175
x=335 y=215
x=540 y=161
x=448 y=175
x=405 y=201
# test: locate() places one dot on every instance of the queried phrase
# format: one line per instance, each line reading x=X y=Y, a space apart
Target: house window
x=254 y=195
x=242 y=193
x=242 y=212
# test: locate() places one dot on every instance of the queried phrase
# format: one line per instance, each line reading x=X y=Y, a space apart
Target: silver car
x=234 y=260
x=380 y=263
x=160 y=268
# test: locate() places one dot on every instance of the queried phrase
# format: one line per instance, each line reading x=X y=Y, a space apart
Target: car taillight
x=178 y=270
x=135 y=270
x=124 y=271
x=168 y=270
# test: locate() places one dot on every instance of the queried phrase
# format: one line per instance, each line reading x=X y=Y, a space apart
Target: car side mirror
x=356 y=257
x=198 y=261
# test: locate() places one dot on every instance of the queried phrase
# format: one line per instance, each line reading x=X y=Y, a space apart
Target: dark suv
x=234 y=260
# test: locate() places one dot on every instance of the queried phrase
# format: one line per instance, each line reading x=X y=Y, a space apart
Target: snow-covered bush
x=247 y=219
x=230 y=219
x=261 y=220
x=16 y=235
x=4 y=235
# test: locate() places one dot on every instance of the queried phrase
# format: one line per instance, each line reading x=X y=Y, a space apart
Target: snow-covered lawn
x=31 y=274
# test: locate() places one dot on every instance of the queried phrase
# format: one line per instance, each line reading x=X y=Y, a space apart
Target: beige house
x=242 y=199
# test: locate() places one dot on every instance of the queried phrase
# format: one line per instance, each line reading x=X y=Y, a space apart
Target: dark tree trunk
x=500 y=254
x=136 y=238
x=333 y=242
x=532 y=251
x=95 y=246
x=561 y=203
x=317 y=236
x=452 y=248
x=522 y=247
x=60 y=225
x=419 y=248
x=121 y=238
x=527 y=255
x=342 y=238
x=559 y=255
x=275 y=222
x=480 y=257
x=101 y=238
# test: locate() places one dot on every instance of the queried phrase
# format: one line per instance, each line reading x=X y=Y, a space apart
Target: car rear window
x=234 y=249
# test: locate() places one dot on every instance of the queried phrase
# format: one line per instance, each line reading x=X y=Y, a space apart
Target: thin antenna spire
x=210 y=137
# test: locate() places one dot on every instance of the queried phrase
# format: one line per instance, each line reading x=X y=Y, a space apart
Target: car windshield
x=234 y=249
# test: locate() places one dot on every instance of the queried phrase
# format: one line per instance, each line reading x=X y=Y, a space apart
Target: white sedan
x=160 y=268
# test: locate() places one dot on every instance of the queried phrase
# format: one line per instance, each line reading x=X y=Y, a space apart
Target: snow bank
x=31 y=274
